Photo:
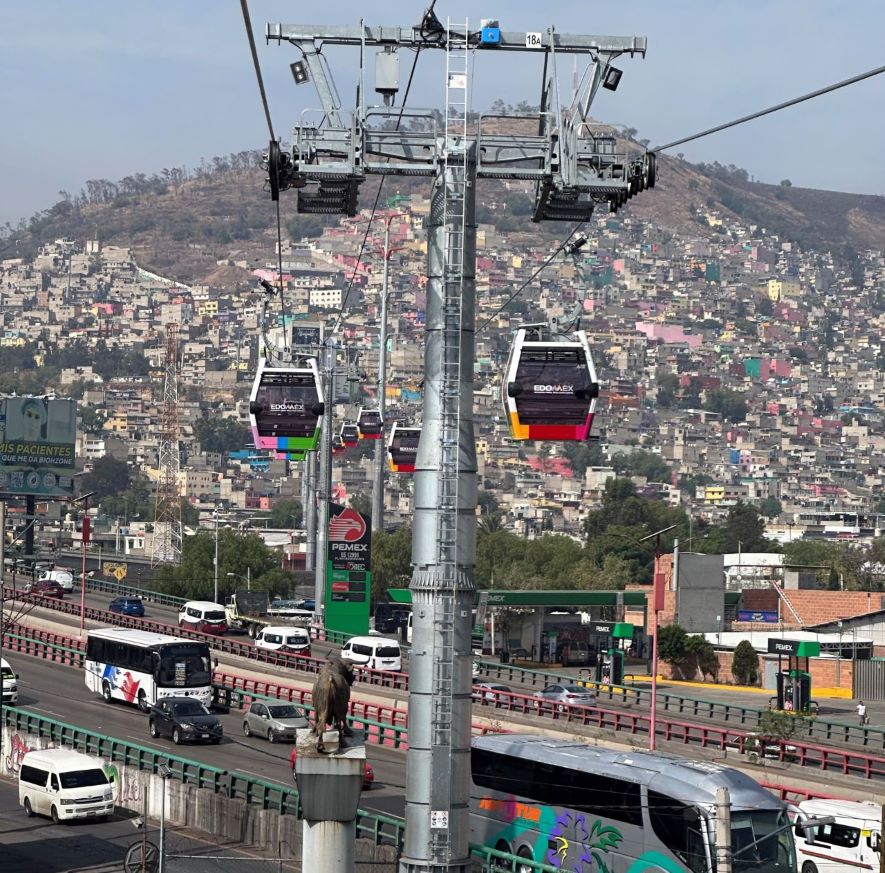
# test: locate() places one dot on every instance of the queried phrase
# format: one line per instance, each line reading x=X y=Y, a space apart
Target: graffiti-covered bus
x=589 y=810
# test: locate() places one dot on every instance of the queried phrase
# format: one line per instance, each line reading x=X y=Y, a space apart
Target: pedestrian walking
x=862 y=713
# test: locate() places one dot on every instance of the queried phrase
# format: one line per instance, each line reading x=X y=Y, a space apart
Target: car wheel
x=106 y=692
x=271 y=736
x=53 y=814
x=176 y=736
x=809 y=867
x=247 y=731
x=142 y=701
x=560 y=707
x=28 y=811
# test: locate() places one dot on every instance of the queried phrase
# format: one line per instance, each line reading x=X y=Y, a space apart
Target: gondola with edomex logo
x=285 y=407
x=402 y=448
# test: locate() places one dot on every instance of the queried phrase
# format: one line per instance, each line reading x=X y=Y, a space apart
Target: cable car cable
x=785 y=105
x=247 y=21
x=531 y=278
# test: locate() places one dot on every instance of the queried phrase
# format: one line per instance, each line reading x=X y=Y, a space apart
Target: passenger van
x=64 y=785
x=376 y=653
x=851 y=843
x=295 y=640
x=10 y=682
x=204 y=616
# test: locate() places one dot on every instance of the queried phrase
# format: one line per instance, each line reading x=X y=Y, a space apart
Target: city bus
x=582 y=808
x=140 y=667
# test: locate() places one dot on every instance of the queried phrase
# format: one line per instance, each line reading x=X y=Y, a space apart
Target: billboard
x=37 y=438
x=348 y=571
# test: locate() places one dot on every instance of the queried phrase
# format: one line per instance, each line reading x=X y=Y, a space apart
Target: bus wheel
x=142 y=701
x=499 y=864
x=106 y=692
x=526 y=855
x=809 y=867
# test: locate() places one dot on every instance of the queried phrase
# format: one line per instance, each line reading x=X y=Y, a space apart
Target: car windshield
x=284 y=711
x=574 y=689
x=761 y=842
x=7 y=673
x=189 y=707
x=83 y=778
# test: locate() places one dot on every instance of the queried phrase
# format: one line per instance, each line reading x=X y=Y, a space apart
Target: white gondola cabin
x=550 y=388
x=402 y=448
x=350 y=434
x=286 y=406
x=370 y=424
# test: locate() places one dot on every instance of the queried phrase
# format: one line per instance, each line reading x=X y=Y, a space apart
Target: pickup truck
x=251 y=611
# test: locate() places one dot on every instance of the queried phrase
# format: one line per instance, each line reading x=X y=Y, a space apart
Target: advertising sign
x=37 y=439
x=749 y=615
x=348 y=571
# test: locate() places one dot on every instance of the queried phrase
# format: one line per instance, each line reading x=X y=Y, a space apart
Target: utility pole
x=573 y=171
x=324 y=489
x=381 y=445
x=723 y=831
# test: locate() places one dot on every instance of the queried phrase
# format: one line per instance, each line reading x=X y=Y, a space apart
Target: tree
x=362 y=503
x=108 y=477
x=391 y=560
x=770 y=507
x=729 y=404
x=286 y=514
x=745 y=664
x=641 y=463
x=699 y=650
x=786 y=183
x=92 y=420
x=221 y=434
x=671 y=642
x=743 y=530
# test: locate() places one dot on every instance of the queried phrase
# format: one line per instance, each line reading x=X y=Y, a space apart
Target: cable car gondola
x=285 y=407
x=550 y=388
x=402 y=448
x=350 y=434
x=370 y=424
x=337 y=444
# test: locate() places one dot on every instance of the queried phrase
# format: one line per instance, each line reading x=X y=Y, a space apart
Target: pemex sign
x=348 y=571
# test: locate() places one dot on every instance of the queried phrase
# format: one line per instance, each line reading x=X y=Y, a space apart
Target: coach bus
x=140 y=667
x=581 y=808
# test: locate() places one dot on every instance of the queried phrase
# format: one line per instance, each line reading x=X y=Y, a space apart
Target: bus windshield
x=184 y=666
x=761 y=842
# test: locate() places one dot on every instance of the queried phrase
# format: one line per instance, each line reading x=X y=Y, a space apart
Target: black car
x=184 y=719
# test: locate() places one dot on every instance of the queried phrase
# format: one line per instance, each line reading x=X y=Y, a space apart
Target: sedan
x=45 y=588
x=565 y=695
x=127 y=606
x=488 y=692
x=368 y=772
x=184 y=719
x=274 y=721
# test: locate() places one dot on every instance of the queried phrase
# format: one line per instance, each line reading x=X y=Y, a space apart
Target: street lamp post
x=247 y=577
x=84 y=538
x=215 y=598
x=381 y=445
x=164 y=771
x=657 y=606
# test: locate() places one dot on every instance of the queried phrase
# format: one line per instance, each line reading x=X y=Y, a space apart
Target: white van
x=376 y=653
x=64 y=578
x=295 y=640
x=10 y=682
x=204 y=616
x=64 y=785
x=851 y=843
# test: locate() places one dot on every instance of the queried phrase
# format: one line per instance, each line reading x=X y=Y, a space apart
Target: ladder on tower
x=454 y=204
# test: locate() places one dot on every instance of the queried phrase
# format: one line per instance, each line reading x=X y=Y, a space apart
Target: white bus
x=578 y=807
x=140 y=667
x=852 y=842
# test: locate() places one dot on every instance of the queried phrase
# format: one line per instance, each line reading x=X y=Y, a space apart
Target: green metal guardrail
x=96 y=583
x=382 y=829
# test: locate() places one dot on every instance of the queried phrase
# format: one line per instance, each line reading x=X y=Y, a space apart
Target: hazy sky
x=98 y=89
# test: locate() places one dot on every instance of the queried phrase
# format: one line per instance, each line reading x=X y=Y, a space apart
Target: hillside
x=181 y=224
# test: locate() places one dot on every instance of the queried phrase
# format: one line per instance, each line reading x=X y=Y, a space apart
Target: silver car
x=274 y=721
x=565 y=694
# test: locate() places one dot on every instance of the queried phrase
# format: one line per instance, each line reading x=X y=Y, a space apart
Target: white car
x=294 y=640
x=64 y=578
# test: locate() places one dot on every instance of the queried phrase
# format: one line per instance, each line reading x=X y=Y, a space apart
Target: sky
x=96 y=89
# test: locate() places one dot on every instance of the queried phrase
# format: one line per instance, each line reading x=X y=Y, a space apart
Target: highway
x=59 y=692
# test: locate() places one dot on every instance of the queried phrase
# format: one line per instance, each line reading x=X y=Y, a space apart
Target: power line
x=531 y=278
x=845 y=82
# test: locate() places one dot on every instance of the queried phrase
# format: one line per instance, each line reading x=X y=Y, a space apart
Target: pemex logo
x=347 y=527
